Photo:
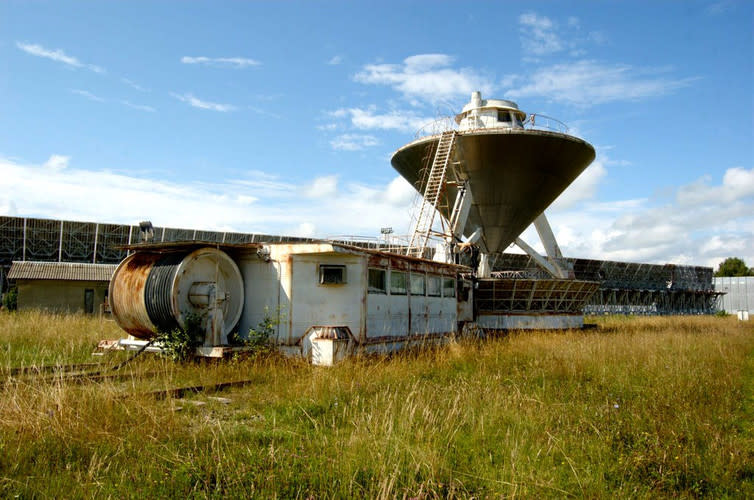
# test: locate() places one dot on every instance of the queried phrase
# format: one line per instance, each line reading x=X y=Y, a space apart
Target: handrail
x=343 y=238
x=537 y=121
x=436 y=127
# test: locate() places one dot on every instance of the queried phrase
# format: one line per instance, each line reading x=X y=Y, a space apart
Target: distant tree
x=10 y=299
x=733 y=266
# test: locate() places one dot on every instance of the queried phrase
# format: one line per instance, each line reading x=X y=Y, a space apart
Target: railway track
x=45 y=369
x=77 y=372
x=179 y=392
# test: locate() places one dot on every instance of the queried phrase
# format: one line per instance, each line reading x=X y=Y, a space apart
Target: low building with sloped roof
x=61 y=286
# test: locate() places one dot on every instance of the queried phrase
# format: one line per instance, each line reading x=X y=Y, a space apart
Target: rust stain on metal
x=406 y=263
x=127 y=294
x=330 y=332
x=387 y=339
x=378 y=261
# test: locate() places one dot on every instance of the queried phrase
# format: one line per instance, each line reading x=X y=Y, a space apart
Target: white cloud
x=335 y=60
x=259 y=202
x=57 y=162
x=245 y=199
x=542 y=37
x=400 y=192
x=587 y=82
x=264 y=112
x=720 y=7
x=328 y=127
x=584 y=187
x=699 y=224
x=198 y=103
x=134 y=85
x=538 y=37
x=88 y=95
x=269 y=184
x=93 y=97
x=738 y=183
x=353 y=142
x=427 y=77
x=56 y=55
x=305 y=230
x=338 y=113
x=140 y=107
x=322 y=187
x=235 y=62
x=597 y=37
x=8 y=208
x=369 y=119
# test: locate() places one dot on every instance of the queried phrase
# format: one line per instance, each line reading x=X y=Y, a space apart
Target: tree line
x=733 y=266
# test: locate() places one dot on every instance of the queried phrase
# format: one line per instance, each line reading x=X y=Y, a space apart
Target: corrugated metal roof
x=69 y=271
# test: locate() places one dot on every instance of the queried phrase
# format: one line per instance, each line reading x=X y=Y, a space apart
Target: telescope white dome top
x=489 y=113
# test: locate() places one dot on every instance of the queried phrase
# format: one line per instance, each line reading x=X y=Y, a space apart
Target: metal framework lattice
x=46 y=240
x=495 y=296
x=632 y=288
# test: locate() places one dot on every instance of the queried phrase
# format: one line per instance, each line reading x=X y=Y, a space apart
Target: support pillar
x=553 y=263
x=485 y=268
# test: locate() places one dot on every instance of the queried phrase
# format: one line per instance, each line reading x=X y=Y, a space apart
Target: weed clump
x=257 y=340
x=179 y=344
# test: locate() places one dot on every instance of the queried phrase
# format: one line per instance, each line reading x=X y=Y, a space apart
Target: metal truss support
x=460 y=213
x=554 y=262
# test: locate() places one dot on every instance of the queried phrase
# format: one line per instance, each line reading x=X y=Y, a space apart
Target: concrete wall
x=59 y=296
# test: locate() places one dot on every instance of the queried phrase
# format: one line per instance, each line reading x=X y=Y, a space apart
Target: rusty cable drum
x=157 y=296
x=152 y=292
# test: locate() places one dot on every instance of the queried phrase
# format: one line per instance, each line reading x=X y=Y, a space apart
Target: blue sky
x=281 y=117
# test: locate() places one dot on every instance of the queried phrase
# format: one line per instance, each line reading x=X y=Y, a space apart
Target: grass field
x=639 y=407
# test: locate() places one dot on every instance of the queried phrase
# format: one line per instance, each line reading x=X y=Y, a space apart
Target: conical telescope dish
x=514 y=174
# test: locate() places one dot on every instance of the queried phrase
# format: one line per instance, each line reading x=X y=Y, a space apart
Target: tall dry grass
x=640 y=407
x=29 y=338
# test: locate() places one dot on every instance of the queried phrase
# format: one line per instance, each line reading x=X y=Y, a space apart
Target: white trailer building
x=326 y=300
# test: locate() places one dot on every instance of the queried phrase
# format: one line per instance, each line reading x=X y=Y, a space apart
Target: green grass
x=640 y=407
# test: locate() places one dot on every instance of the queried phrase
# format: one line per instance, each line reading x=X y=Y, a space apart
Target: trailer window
x=448 y=287
x=433 y=286
x=332 y=275
x=377 y=282
x=397 y=283
x=417 y=284
x=503 y=116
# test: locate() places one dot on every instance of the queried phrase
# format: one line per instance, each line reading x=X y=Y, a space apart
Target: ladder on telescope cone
x=432 y=192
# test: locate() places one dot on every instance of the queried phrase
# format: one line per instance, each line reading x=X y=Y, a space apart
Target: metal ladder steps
x=432 y=190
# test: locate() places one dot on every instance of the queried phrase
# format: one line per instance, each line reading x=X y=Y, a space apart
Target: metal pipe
x=96 y=235
x=23 y=256
x=60 y=244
